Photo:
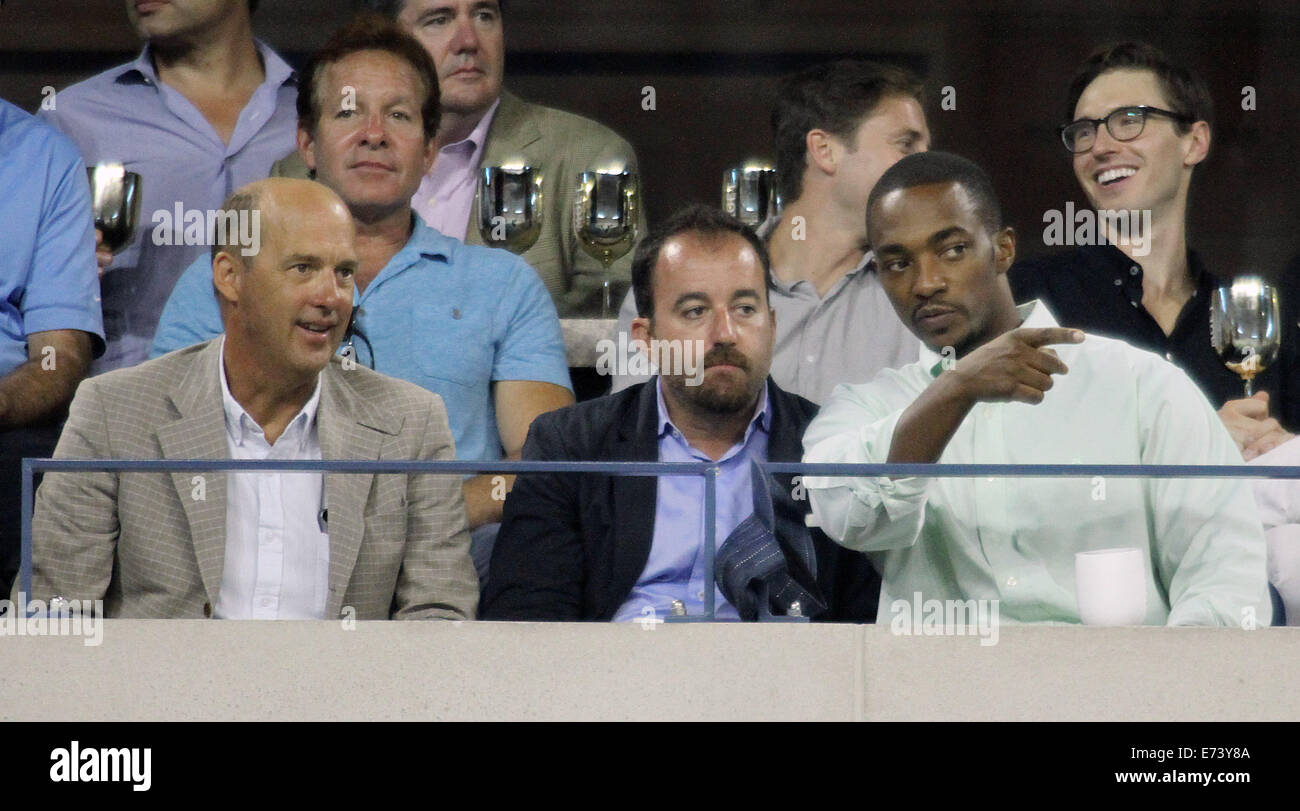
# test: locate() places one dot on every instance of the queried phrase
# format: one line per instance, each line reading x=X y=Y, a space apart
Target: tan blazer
x=562 y=145
x=152 y=545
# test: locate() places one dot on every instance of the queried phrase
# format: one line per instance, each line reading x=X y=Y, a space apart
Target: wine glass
x=510 y=207
x=115 y=200
x=605 y=218
x=1245 y=327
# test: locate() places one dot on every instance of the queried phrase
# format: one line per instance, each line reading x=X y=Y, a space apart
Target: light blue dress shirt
x=675 y=569
x=47 y=240
x=446 y=316
x=126 y=115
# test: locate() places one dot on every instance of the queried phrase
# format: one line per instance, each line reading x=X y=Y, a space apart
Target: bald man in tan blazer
x=154 y=545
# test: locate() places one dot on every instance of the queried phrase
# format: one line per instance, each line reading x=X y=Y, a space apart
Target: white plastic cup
x=1111 y=586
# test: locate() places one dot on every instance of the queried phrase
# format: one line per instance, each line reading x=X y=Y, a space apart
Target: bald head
x=286 y=306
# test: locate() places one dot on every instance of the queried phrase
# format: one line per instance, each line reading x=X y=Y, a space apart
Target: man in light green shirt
x=990 y=389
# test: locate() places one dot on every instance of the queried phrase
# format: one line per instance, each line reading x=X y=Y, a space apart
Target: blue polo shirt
x=48 y=279
x=446 y=316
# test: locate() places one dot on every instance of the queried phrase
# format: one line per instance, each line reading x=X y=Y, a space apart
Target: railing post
x=710 y=537
x=26 y=571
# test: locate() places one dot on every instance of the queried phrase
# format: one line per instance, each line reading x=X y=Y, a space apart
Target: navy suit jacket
x=572 y=546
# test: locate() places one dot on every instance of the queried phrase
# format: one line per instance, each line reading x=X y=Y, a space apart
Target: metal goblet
x=749 y=194
x=605 y=217
x=115 y=200
x=510 y=207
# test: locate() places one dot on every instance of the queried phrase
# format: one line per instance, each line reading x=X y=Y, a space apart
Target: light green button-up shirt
x=1014 y=539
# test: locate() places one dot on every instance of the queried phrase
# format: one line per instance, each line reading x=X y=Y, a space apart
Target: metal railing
x=709 y=471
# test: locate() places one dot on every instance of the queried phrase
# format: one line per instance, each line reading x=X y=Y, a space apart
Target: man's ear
x=641 y=332
x=226 y=273
x=822 y=149
x=430 y=155
x=307 y=148
x=1004 y=248
x=1198 y=146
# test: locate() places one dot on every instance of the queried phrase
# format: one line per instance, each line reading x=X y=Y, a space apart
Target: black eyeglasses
x=1123 y=124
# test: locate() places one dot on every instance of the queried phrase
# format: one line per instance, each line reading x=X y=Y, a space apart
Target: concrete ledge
x=149 y=670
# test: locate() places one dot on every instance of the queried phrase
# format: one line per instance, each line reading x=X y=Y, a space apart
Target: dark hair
x=369 y=32
x=832 y=96
x=1187 y=92
x=925 y=168
x=252 y=5
x=391 y=8
x=698 y=219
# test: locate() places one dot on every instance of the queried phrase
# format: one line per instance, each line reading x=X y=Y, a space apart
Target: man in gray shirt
x=838 y=127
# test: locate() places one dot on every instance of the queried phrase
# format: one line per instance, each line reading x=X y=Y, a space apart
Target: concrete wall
x=201 y=670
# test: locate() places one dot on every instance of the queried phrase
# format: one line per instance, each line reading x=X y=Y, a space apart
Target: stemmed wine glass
x=1246 y=326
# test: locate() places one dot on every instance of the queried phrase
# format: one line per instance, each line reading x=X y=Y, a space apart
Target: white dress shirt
x=277 y=556
x=1014 y=539
x=1279 y=509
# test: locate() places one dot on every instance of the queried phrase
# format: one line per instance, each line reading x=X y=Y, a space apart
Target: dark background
x=714 y=67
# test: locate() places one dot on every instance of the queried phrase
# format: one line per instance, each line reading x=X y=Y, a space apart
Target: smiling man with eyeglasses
x=1138 y=127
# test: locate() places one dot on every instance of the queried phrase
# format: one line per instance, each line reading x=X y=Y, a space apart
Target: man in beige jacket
x=260 y=545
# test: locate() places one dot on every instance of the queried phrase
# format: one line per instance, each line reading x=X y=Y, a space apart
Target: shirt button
x=1119 y=282
x=1169 y=356
x=1011 y=581
x=266 y=602
x=1134 y=303
x=700 y=596
x=1133 y=271
x=811 y=358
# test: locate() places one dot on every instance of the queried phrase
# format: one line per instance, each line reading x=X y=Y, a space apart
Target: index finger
x=1042 y=336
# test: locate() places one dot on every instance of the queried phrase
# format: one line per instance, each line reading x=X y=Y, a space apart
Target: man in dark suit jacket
x=603 y=547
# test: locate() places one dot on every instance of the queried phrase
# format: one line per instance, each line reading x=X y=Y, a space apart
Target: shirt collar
x=769 y=225
x=277 y=70
x=762 y=416
x=241 y=427
x=1033 y=314
x=478 y=135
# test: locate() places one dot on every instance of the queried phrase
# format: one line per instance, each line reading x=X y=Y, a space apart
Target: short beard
x=706 y=399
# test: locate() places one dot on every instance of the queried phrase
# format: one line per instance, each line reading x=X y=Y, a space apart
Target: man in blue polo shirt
x=50 y=325
x=474 y=325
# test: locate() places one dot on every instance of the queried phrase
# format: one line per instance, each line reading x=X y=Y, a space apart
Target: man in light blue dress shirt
x=600 y=547
x=204 y=110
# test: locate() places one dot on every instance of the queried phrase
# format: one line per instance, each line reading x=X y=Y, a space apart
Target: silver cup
x=115 y=199
x=510 y=207
x=1246 y=327
x=749 y=194
x=604 y=218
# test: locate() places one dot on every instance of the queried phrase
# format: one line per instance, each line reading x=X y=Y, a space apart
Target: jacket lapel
x=634 y=497
x=200 y=433
x=348 y=428
x=511 y=132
